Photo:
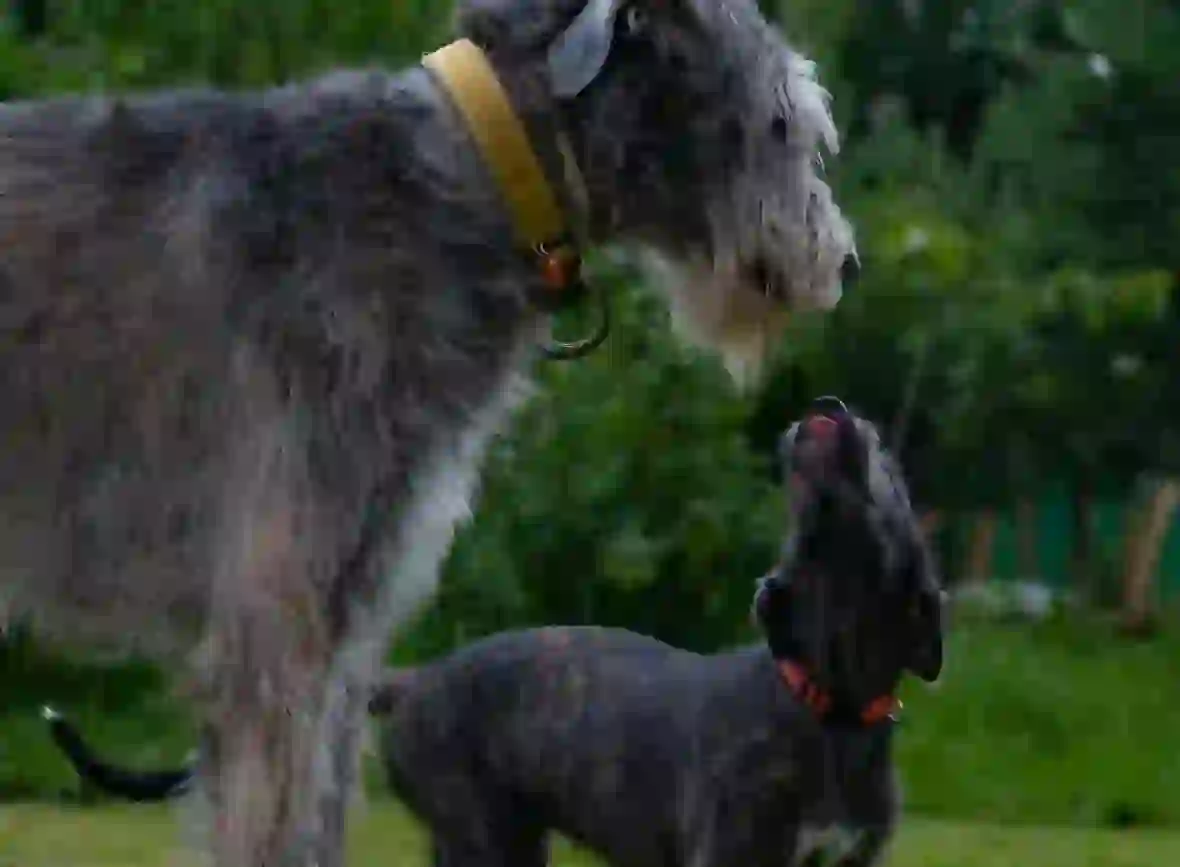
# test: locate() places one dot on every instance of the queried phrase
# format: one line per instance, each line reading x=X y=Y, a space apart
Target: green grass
x=1049 y=724
x=1056 y=724
x=40 y=836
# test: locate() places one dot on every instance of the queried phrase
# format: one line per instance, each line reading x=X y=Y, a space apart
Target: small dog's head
x=699 y=131
x=856 y=595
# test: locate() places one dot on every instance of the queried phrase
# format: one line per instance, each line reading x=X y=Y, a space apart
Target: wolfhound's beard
x=715 y=309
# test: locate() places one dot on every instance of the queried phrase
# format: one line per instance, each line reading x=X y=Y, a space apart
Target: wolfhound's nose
x=850 y=271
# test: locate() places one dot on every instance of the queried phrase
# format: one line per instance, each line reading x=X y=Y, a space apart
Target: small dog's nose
x=850 y=271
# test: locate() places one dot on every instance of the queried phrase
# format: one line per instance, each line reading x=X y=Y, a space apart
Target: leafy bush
x=626 y=493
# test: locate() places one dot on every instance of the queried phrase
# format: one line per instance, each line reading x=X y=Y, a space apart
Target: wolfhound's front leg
x=267 y=675
x=342 y=726
x=281 y=789
x=267 y=671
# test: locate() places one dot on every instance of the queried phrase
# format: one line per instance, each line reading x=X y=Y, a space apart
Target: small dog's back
x=612 y=738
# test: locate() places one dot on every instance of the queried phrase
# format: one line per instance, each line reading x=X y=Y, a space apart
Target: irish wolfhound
x=254 y=343
x=655 y=757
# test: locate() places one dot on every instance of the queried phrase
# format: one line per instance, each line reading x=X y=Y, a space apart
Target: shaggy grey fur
x=254 y=344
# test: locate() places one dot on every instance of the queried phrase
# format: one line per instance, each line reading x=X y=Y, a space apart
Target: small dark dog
x=657 y=757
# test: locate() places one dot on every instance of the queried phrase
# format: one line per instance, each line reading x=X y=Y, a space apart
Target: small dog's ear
x=925 y=618
x=926 y=636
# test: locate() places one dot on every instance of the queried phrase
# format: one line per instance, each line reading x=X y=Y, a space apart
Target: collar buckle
x=559 y=265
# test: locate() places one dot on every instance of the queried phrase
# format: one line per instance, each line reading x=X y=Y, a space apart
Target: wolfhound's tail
x=143 y=786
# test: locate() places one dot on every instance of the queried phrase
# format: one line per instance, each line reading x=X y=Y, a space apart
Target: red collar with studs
x=881 y=709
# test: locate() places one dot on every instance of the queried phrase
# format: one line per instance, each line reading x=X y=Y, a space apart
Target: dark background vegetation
x=1011 y=166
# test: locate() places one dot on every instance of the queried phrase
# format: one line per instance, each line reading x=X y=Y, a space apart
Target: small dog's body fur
x=646 y=754
x=655 y=757
x=658 y=757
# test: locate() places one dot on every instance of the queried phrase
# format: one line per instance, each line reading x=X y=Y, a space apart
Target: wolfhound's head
x=699 y=132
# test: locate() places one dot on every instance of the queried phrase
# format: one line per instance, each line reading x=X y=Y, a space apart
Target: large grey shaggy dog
x=254 y=344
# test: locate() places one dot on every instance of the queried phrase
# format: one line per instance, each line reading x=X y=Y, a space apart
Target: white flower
x=916 y=240
x=1100 y=66
x=1124 y=365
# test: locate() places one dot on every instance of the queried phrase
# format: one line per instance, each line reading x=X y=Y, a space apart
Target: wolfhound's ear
x=579 y=53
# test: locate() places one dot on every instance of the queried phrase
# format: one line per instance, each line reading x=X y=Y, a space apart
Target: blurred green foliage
x=618 y=498
x=1054 y=723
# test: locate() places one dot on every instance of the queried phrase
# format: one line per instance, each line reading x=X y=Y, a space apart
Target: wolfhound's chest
x=440 y=498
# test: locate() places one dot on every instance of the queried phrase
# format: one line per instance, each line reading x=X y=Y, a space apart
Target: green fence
x=1054 y=543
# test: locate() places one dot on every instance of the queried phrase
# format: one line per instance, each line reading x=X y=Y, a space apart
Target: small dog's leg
x=817 y=848
x=868 y=849
x=478 y=825
x=492 y=850
x=448 y=853
x=874 y=804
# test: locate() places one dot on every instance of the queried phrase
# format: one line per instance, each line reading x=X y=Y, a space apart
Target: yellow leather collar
x=468 y=77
